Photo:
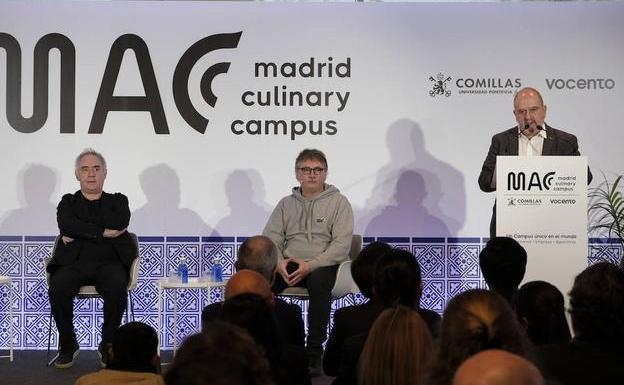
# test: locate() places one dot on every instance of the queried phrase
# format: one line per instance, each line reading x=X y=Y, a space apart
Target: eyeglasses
x=308 y=170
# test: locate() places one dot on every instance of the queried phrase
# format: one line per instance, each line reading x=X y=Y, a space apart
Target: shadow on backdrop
x=408 y=217
x=162 y=214
x=246 y=199
x=415 y=194
x=38 y=214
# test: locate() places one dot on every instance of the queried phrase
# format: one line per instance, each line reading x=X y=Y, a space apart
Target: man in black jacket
x=259 y=254
x=530 y=137
x=93 y=249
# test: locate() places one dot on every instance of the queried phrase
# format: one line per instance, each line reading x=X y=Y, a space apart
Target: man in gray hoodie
x=312 y=229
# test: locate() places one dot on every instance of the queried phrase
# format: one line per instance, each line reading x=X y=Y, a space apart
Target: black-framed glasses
x=308 y=170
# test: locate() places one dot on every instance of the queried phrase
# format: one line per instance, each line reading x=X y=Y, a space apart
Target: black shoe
x=315 y=365
x=66 y=359
x=103 y=354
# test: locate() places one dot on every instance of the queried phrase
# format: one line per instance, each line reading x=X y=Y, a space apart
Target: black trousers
x=111 y=282
x=319 y=284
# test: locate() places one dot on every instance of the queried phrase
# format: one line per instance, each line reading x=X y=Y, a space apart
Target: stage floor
x=29 y=368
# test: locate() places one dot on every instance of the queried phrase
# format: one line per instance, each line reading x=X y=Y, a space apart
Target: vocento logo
x=107 y=102
x=580 y=84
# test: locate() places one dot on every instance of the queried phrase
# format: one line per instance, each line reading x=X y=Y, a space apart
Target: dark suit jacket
x=288 y=318
x=582 y=362
x=351 y=327
x=557 y=142
x=348 y=322
x=74 y=221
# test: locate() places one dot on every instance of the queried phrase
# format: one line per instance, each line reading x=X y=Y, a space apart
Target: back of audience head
x=473 y=321
x=503 y=264
x=249 y=281
x=222 y=354
x=252 y=313
x=397 y=279
x=540 y=308
x=135 y=349
x=259 y=254
x=363 y=267
x=597 y=304
x=497 y=367
x=396 y=349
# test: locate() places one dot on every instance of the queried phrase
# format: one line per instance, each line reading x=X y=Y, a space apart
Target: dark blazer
x=582 y=362
x=288 y=316
x=351 y=327
x=348 y=322
x=74 y=221
x=557 y=142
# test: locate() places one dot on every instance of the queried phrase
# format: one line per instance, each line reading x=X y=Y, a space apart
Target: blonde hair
x=396 y=349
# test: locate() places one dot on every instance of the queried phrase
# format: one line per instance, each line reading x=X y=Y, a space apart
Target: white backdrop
x=408 y=161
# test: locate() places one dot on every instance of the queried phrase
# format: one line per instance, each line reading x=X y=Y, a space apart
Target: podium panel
x=542 y=203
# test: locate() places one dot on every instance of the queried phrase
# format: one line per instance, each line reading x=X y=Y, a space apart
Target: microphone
x=527 y=125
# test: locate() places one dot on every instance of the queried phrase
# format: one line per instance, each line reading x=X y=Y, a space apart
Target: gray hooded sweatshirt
x=317 y=230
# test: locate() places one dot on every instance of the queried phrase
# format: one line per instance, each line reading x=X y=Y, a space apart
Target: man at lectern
x=312 y=229
x=94 y=249
x=531 y=137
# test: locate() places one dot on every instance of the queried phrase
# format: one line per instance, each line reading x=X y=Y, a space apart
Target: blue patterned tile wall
x=449 y=266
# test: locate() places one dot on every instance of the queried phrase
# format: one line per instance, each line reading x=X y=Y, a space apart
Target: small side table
x=166 y=284
x=4 y=280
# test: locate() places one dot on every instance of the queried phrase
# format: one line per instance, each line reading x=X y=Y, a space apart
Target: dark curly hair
x=597 y=303
x=473 y=321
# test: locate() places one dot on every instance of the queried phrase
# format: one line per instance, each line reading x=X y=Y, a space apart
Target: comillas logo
x=472 y=85
x=520 y=182
x=106 y=101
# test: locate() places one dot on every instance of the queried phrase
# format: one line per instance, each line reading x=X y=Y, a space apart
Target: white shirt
x=527 y=147
x=532 y=146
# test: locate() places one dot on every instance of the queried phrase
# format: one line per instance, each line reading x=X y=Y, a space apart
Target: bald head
x=497 y=367
x=259 y=254
x=248 y=281
x=528 y=92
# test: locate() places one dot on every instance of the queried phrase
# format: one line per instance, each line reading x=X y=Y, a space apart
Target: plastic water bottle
x=183 y=270
x=217 y=270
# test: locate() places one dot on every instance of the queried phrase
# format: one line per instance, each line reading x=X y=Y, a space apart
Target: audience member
x=259 y=254
x=396 y=349
x=222 y=354
x=473 y=321
x=540 y=308
x=596 y=353
x=497 y=367
x=289 y=363
x=397 y=282
x=133 y=358
x=248 y=281
x=357 y=319
x=503 y=264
